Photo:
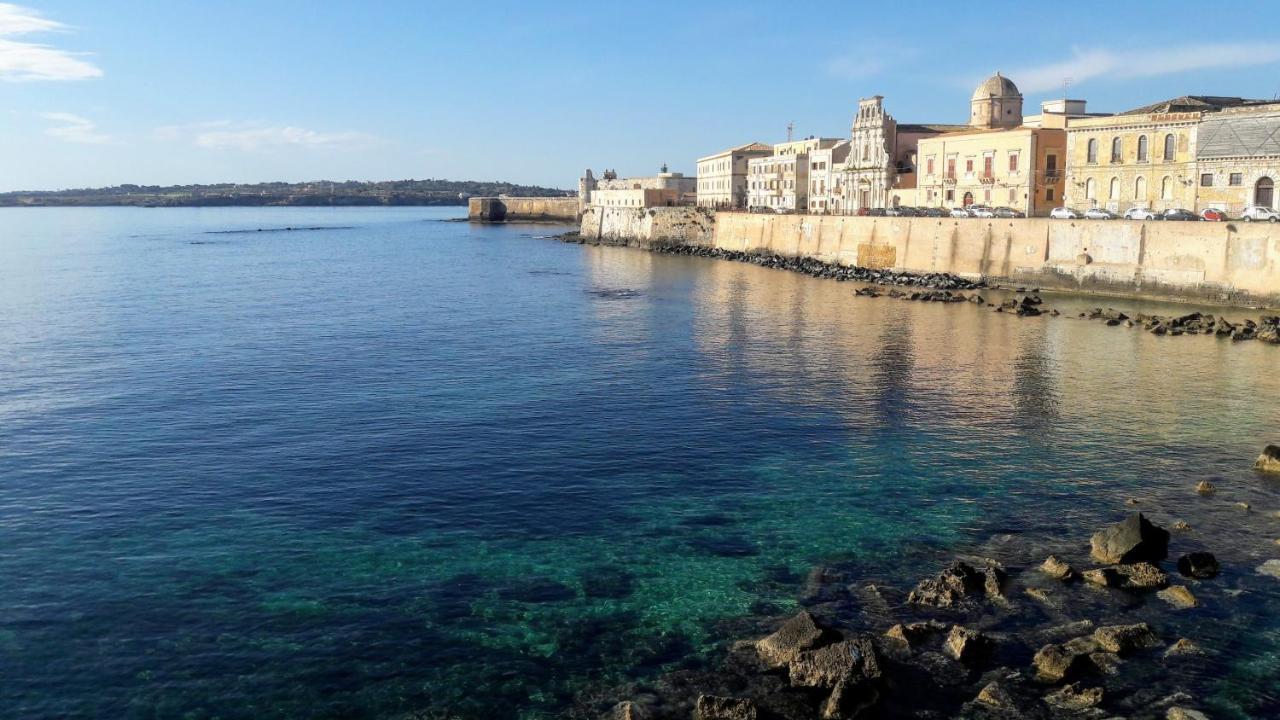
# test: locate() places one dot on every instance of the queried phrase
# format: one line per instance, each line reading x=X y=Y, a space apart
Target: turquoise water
x=397 y=465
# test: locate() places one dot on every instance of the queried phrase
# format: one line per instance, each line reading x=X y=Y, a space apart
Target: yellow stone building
x=1238 y=159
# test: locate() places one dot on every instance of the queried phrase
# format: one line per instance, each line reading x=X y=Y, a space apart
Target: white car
x=981 y=212
x=1257 y=212
x=960 y=212
x=1064 y=213
x=1139 y=213
x=1099 y=214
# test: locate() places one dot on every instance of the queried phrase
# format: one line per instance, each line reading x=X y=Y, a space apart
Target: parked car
x=934 y=212
x=959 y=213
x=1213 y=215
x=876 y=212
x=1259 y=213
x=981 y=211
x=1064 y=213
x=901 y=211
x=1140 y=213
x=1099 y=214
x=1179 y=214
x=1006 y=212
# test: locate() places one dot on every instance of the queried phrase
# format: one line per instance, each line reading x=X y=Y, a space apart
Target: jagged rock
x=1131 y=540
x=1180 y=526
x=1204 y=487
x=1040 y=594
x=1199 y=565
x=967 y=646
x=842 y=662
x=1244 y=506
x=1135 y=576
x=1054 y=664
x=1183 y=647
x=1105 y=663
x=1059 y=633
x=1270 y=567
x=1056 y=569
x=1178 y=596
x=1180 y=713
x=850 y=700
x=913 y=634
x=714 y=707
x=796 y=635
x=952 y=588
x=1074 y=697
x=1124 y=639
x=628 y=710
x=1269 y=460
x=995 y=695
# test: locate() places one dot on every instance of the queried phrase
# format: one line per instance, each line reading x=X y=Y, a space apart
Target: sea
x=379 y=463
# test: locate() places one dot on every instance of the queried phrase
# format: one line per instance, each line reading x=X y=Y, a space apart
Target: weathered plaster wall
x=1223 y=262
x=546 y=209
x=645 y=227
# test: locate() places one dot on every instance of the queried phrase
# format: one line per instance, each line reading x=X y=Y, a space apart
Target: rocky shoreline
x=945 y=288
x=1077 y=635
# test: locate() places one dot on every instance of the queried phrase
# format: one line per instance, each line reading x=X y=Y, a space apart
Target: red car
x=1213 y=215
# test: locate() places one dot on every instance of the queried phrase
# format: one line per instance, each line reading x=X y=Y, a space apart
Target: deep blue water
x=401 y=465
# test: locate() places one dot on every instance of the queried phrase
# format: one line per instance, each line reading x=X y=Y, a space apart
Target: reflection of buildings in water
x=611 y=275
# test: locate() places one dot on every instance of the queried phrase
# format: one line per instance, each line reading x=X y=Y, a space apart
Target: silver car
x=960 y=212
x=1139 y=213
x=1064 y=213
x=1260 y=213
x=1099 y=214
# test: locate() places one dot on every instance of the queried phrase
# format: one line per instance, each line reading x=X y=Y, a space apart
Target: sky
x=96 y=93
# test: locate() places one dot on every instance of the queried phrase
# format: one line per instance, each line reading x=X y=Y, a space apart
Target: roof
x=930 y=127
x=748 y=147
x=1193 y=103
x=1239 y=136
x=997 y=85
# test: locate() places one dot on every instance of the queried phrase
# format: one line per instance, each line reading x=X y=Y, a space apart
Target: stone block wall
x=508 y=209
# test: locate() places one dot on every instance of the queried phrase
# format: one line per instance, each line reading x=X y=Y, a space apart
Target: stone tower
x=586 y=184
x=996 y=103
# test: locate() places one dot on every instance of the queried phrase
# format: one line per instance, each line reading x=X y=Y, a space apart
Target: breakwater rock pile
x=1076 y=634
x=833 y=271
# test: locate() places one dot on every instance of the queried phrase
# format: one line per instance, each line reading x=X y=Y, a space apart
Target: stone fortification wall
x=645 y=227
x=1231 y=262
x=544 y=209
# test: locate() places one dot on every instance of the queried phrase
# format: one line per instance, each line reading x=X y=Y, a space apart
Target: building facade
x=665 y=188
x=1238 y=159
x=780 y=181
x=824 y=173
x=722 y=178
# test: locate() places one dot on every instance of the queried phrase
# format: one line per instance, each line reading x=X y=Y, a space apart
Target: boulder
x=1204 y=487
x=715 y=707
x=994 y=695
x=914 y=634
x=1198 y=565
x=628 y=710
x=1131 y=540
x=850 y=700
x=1074 y=697
x=1124 y=639
x=1178 y=596
x=1135 y=576
x=1054 y=664
x=1183 y=647
x=1056 y=569
x=1269 y=460
x=958 y=585
x=967 y=646
x=842 y=662
x=796 y=635
x=1181 y=713
x=1271 y=568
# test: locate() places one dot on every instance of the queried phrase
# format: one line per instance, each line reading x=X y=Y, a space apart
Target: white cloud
x=1087 y=64
x=25 y=61
x=75 y=129
x=253 y=137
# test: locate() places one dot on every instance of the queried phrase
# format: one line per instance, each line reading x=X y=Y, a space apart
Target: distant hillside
x=395 y=192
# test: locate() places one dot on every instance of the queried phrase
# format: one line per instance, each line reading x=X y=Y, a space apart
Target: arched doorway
x=968 y=199
x=1264 y=192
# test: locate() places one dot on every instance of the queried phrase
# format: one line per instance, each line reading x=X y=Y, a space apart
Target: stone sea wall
x=541 y=209
x=1233 y=263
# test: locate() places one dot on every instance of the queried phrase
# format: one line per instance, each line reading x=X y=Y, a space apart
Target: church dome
x=998 y=86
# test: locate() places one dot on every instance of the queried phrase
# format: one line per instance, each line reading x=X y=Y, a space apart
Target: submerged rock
x=628 y=710
x=1270 y=567
x=1181 y=713
x=715 y=707
x=1199 y=565
x=1204 y=487
x=1056 y=569
x=1269 y=460
x=1183 y=647
x=1178 y=596
x=1074 y=697
x=1131 y=540
x=1136 y=576
x=1124 y=639
x=796 y=635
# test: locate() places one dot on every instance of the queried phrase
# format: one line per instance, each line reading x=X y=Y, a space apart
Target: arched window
x=1140 y=188
x=1091 y=188
x=1170 y=144
x=1093 y=150
x=1166 y=187
x=1264 y=192
x=1142 y=148
x=1116 y=147
x=1115 y=189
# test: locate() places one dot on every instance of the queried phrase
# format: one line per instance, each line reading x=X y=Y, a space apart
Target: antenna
x=1066 y=87
x=791 y=128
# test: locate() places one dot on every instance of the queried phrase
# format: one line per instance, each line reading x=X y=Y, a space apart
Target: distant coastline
x=308 y=194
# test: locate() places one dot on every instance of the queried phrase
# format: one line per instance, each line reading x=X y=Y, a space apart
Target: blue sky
x=100 y=93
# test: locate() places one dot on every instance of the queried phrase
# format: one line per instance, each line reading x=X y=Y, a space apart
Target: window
x=968 y=166
x=929 y=165
x=1166 y=187
x=1169 y=146
x=986 y=196
x=1093 y=151
x=1090 y=189
x=951 y=196
x=1051 y=168
x=1013 y=162
x=1236 y=179
x=987 y=162
x=1114 y=193
x=1116 y=147
x=1013 y=194
x=1140 y=188
x=1048 y=194
x=1142 y=148
x=1206 y=179
x=951 y=168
